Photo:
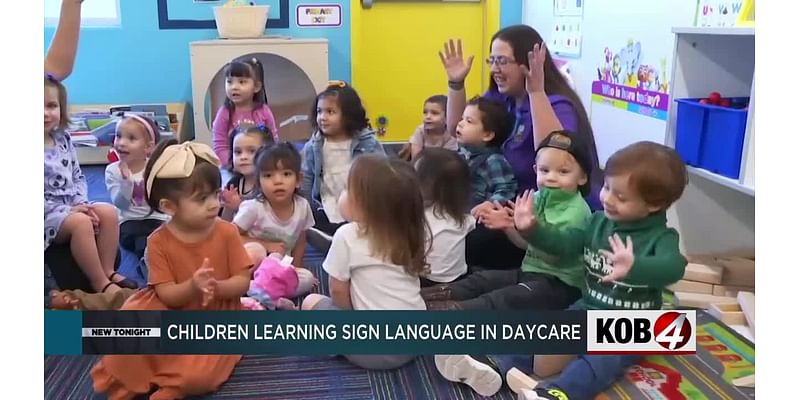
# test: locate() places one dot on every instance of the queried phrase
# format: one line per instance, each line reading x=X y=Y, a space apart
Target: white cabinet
x=295 y=70
x=716 y=213
x=721 y=60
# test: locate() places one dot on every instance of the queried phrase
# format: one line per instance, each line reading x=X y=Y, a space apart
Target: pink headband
x=140 y=119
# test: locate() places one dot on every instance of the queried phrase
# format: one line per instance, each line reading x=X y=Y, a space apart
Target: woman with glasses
x=525 y=78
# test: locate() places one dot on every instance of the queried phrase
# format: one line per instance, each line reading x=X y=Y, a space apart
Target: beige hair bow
x=178 y=161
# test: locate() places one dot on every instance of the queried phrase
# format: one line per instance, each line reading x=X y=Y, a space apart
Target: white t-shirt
x=128 y=197
x=336 y=160
x=260 y=222
x=374 y=283
x=447 y=257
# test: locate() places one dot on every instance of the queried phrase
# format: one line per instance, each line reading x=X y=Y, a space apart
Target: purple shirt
x=519 y=148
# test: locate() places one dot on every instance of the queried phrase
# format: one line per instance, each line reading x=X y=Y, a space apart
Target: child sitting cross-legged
x=630 y=256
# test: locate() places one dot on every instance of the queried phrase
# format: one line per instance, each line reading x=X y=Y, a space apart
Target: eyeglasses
x=498 y=60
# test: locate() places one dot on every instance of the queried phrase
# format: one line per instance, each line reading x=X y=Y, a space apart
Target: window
x=93 y=12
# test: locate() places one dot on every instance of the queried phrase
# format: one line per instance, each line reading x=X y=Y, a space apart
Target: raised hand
x=534 y=74
x=231 y=198
x=524 y=217
x=453 y=61
x=621 y=256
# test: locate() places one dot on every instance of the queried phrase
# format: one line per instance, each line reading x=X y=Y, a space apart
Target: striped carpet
x=288 y=378
x=275 y=378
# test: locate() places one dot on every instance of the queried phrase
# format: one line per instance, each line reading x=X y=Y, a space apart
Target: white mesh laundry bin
x=241 y=22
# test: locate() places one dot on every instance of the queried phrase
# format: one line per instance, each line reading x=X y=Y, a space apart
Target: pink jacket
x=221 y=133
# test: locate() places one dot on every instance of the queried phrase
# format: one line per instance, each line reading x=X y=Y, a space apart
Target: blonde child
x=276 y=219
x=91 y=229
x=134 y=141
x=444 y=181
x=375 y=262
x=197 y=262
x=341 y=134
x=432 y=132
x=245 y=102
x=246 y=140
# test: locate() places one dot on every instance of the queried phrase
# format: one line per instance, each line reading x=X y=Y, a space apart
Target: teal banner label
x=331 y=332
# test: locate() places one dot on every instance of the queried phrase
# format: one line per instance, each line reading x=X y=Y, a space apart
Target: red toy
x=714 y=98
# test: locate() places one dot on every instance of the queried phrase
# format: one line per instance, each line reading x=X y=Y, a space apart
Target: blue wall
x=138 y=62
x=510 y=12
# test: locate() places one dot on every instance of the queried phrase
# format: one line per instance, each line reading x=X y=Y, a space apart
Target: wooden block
x=738 y=271
x=729 y=313
x=692 y=287
x=699 y=300
x=730 y=291
x=747 y=301
x=703 y=273
x=745 y=381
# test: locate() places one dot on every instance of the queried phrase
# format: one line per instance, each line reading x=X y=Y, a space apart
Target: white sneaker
x=529 y=395
x=462 y=368
x=518 y=381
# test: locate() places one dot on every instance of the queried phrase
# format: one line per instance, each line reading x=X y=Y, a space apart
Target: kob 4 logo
x=641 y=332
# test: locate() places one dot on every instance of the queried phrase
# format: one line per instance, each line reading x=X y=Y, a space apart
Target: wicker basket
x=241 y=22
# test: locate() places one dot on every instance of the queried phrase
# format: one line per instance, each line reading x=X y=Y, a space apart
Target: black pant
x=513 y=290
x=65 y=270
x=322 y=222
x=492 y=249
x=133 y=234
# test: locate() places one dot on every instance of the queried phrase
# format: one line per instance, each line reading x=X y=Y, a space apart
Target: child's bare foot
x=285 y=304
x=62 y=301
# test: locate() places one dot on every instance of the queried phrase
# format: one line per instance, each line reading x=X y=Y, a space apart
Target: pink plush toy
x=274 y=281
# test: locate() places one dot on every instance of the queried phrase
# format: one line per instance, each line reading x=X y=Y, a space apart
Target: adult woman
x=60 y=56
x=525 y=79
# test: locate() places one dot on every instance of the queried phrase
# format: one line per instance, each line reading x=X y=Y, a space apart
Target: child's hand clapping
x=499 y=217
x=524 y=218
x=621 y=256
x=231 y=198
x=124 y=169
x=480 y=210
x=203 y=281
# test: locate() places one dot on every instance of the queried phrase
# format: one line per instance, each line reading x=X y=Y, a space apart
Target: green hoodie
x=562 y=210
x=657 y=259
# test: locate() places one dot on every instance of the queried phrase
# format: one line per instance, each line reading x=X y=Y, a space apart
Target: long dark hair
x=522 y=38
x=444 y=182
x=354 y=116
x=246 y=68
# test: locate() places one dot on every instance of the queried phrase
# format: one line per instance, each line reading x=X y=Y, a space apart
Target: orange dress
x=176 y=376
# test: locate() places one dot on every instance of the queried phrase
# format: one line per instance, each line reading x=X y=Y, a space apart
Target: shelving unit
x=716 y=213
x=722 y=60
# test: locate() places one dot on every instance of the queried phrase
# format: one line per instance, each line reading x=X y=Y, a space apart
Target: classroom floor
x=706 y=375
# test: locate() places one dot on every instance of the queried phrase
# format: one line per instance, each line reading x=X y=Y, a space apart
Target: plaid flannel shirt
x=491 y=175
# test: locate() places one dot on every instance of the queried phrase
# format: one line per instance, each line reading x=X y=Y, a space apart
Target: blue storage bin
x=712 y=137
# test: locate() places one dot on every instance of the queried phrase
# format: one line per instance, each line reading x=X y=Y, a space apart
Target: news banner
x=370 y=332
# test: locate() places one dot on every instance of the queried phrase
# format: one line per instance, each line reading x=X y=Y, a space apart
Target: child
x=134 y=141
x=375 y=262
x=444 y=181
x=630 y=256
x=432 y=132
x=341 y=133
x=91 y=230
x=544 y=281
x=276 y=219
x=483 y=128
x=246 y=102
x=245 y=142
x=197 y=262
